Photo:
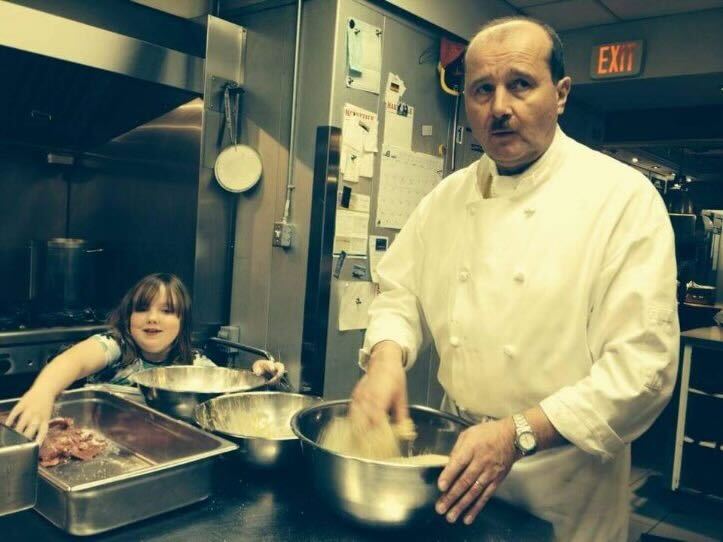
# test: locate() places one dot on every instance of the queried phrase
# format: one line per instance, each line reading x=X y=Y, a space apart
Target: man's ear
x=563 y=91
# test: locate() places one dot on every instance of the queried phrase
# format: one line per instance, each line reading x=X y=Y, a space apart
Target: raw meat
x=64 y=442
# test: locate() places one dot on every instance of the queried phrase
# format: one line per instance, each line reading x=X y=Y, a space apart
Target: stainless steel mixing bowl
x=376 y=493
x=259 y=422
x=178 y=389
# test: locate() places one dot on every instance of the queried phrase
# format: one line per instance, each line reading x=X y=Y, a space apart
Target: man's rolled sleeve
x=580 y=424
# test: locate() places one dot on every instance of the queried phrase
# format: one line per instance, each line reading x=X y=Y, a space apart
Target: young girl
x=151 y=327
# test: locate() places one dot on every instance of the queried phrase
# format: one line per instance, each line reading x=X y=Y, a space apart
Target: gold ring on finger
x=478 y=484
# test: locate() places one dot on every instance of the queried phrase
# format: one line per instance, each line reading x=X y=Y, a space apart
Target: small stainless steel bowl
x=375 y=493
x=259 y=422
x=178 y=389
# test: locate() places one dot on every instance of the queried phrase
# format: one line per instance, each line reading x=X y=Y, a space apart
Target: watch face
x=527 y=441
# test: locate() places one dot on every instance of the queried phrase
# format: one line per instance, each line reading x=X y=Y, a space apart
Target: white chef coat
x=558 y=291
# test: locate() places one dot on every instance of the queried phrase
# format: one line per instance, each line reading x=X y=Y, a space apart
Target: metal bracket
x=215 y=88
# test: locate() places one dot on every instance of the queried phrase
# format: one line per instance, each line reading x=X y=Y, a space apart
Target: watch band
x=521 y=424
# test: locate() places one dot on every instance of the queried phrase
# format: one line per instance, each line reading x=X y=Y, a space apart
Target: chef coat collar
x=526 y=181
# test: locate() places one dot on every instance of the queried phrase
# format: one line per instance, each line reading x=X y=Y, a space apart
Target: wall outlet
x=283 y=234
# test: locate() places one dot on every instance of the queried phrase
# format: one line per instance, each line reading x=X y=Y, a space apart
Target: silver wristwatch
x=525 y=440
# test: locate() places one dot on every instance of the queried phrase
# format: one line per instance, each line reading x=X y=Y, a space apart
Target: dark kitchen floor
x=659 y=514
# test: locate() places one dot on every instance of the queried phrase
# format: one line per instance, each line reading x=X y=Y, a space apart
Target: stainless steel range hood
x=70 y=85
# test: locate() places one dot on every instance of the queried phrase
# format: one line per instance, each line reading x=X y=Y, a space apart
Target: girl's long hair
x=139 y=298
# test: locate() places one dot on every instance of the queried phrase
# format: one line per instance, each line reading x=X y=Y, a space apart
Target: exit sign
x=620 y=59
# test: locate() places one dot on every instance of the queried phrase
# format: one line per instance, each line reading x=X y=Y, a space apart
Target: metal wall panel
x=268 y=283
x=403 y=45
x=314 y=94
x=225 y=57
x=267 y=294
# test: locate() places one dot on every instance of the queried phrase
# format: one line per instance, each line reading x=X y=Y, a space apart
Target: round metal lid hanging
x=238 y=167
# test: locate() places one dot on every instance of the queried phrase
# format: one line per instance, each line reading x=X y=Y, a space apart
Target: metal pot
x=63 y=273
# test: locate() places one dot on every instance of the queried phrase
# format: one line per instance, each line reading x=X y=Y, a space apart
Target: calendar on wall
x=405 y=178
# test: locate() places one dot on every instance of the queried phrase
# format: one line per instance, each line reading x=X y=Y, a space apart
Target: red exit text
x=616 y=59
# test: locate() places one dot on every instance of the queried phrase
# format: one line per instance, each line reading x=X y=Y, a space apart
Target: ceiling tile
x=640 y=9
x=527 y=3
x=570 y=14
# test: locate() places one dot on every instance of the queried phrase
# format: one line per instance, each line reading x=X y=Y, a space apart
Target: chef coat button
x=509 y=351
x=463 y=275
x=472 y=211
x=519 y=276
x=529 y=211
x=454 y=341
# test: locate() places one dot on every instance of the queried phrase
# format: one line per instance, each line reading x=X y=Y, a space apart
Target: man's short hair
x=557 y=55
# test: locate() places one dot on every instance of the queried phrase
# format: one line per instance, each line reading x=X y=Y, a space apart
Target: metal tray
x=18 y=471
x=153 y=464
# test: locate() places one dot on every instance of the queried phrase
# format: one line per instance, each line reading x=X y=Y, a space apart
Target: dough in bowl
x=382 y=442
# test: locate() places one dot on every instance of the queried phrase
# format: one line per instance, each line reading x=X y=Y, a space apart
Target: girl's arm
x=31 y=414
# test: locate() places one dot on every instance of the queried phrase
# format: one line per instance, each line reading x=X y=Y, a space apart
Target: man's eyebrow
x=479 y=79
x=512 y=72
x=516 y=72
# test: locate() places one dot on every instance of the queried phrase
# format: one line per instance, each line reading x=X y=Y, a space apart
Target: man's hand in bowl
x=383 y=389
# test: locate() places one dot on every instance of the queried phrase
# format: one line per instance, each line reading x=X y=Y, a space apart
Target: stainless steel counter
x=256 y=506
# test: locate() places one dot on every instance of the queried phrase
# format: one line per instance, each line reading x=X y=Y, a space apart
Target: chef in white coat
x=545 y=273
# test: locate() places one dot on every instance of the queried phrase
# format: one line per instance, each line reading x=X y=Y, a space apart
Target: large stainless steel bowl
x=375 y=493
x=178 y=389
x=259 y=422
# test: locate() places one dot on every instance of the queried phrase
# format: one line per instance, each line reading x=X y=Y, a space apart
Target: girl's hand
x=31 y=414
x=273 y=370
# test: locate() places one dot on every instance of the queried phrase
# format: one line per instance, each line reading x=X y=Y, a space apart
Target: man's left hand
x=479 y=462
